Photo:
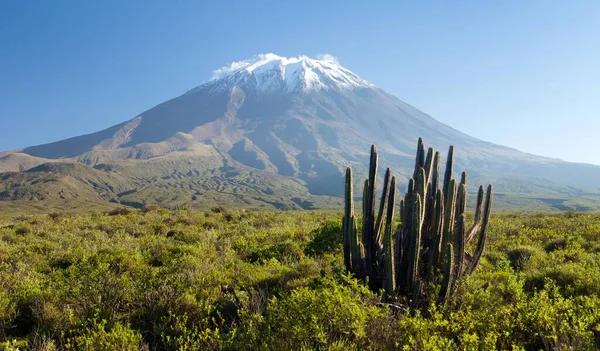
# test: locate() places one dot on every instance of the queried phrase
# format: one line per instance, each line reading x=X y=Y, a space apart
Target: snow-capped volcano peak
x=270 y=72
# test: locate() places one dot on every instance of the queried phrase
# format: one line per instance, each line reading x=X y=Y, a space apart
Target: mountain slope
x=291 y=123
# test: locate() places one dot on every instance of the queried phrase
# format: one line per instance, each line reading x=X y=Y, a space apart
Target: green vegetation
x=174 y=181
x=232 y=280
x=428 y=248
x=168 y=181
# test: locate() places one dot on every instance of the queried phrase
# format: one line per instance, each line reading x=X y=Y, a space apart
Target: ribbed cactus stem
x=407 y=218
x=435 y=177
x=450 y=207
x=422 y=154
x=478 y=211
x=448 y=271
x=437 y=230
x=459 y=245
x=383 y=205
x=420 y=159
x=483 y=231
x=364 y=238
x=415 y=246
x=389 y=282
x=348 y=220
x=402 y=209
x=448 y=171
x=428 y=214
x=369 y=215
x=461 y=197
x=364 y=202
x=421 y=190
x=357 y=252
x=352 y=249
x=398 y=252
x=428 y=163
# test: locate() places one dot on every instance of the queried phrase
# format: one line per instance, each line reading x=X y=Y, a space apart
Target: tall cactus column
x=389 y=279
x=369 y=215
x=352 y=250
x=429 y=246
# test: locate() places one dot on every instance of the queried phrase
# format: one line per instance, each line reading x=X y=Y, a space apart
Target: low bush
x=520 y=255
x=326 y=239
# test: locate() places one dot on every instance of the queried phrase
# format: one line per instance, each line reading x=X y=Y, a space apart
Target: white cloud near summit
x=234 y=66
x=328 y=57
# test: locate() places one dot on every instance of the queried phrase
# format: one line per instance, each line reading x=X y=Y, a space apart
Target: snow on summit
x=271 y=73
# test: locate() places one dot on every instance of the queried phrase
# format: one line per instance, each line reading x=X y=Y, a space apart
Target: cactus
x=369 y=216
x=352 y=249
x=348 y=216
x=389 y=282
x=448 y=272
x=429 y=245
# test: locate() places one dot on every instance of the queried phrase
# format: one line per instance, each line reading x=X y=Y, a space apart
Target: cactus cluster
x=428 y=248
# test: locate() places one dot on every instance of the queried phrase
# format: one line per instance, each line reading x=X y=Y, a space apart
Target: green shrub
x=520 y=255
x=23 y=229
x=556 y=244
x=570 y=279
x=119 y=211
x=98 y=286
x=181 y=334
x=552 y=318
x=8 y=312
x=97 y=337
x=326 y=239
x=320 y=316
x=288 y=251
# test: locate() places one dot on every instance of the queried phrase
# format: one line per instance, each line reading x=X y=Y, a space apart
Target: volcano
x=272 y=132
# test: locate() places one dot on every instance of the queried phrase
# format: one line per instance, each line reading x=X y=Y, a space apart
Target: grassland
x=254 y=280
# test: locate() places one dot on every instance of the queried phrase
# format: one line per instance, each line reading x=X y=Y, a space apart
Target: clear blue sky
x=525 y=74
